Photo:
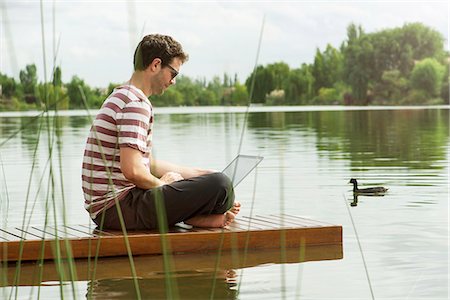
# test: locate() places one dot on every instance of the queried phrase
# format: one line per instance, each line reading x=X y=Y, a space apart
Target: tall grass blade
x=360 y=249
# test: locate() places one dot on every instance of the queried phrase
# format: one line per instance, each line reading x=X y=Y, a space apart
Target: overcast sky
x=97 y=38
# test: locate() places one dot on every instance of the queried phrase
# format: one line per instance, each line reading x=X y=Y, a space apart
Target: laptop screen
x=240 y=167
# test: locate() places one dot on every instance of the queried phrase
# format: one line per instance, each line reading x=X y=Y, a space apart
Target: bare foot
x=216 y=220
x=236 y=208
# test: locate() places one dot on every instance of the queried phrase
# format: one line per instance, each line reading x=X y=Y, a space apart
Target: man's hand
x=170 y=177
x=160 y=167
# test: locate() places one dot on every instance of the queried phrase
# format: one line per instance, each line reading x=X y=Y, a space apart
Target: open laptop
x=240 y=167
x=236 y=170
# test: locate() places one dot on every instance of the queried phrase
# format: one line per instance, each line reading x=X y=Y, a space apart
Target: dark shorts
x=170 y=204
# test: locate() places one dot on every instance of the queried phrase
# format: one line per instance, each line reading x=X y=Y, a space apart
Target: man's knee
x=224 y=189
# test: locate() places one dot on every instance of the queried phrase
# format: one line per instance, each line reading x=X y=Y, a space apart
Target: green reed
x=3 y=264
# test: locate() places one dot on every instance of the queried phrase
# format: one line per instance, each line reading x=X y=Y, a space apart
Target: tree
x=52 y=97
x=259 y=84
x=423 y=40
x=207 y=97
x=392 y=87
x=76 y=95
x=171 y=97
x=239 y=95
x=28 y=79
x=327 y=68
x=427 y=76
x=57 y=81
x=300 y=85
x=358 y=63
x=279 y=72
x=217 y=88
x=267 y=79
x=8 y=86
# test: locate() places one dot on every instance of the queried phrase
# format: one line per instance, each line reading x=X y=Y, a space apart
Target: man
x=121 y=179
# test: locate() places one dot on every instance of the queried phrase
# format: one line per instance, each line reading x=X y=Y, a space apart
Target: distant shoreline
x=229 y=109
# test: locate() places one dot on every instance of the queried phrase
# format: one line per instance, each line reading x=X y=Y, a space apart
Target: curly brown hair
x=157 y=46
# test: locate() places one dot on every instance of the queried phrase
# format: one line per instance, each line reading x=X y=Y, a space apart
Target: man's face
x=166 y=76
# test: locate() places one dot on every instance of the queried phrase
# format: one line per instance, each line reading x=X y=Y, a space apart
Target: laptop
x=236 y=170
x=240 y=167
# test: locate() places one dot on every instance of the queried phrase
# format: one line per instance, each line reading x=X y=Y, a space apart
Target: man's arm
x=135 y=171
x=161 y=167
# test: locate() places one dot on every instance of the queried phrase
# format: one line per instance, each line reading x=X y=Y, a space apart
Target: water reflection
x=354 y=200
x=367 y=138
x=221 y=266
x=80 y=121
x=189 y=285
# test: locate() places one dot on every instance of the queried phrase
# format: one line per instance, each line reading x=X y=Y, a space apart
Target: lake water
x=310 y=155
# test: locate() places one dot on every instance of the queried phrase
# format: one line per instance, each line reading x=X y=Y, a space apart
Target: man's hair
x=157 y=46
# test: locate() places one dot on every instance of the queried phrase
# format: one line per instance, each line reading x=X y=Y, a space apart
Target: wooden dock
x=82 y=241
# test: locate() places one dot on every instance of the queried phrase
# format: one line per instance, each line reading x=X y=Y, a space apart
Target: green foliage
x=259 y=84
x=415 y=97
x=207 y=97
x=28 y=79
x=300 y=87
x=358 y=63
x=239 y=94
x=327 y=96
x=52 y=97
x=427 y=76
x=445 y=90
x=391 y=88
x=57 y=81
x=8 y=86
x=77 y=89
x=171 y=97
x=367 y=57
x=327 y=68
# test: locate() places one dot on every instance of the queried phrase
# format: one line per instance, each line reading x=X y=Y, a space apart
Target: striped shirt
x=124 y=120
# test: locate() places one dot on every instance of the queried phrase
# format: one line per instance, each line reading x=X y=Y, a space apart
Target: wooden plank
x=79 y=232
x=238 y=226
x=179 y=240
x=11 y=234
x=30 y=233
x=275 y=223
x=306 y=221
x=250 y=225
x=65 y=232
x=96 y=231
x=261 y=223
x=286 y=221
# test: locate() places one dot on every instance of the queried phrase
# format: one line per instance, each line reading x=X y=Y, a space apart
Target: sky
x=95 y=40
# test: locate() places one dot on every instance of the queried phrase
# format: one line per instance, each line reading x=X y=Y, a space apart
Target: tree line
x=399 y=66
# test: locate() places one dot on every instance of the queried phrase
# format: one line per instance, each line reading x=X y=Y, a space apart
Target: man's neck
x=138 y=80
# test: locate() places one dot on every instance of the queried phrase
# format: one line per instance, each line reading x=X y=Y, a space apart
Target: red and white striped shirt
x=124 y=120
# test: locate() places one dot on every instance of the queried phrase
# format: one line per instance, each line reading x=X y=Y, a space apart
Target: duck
x=367 y=191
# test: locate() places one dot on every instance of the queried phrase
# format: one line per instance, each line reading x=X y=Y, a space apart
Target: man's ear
x=155 y=64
